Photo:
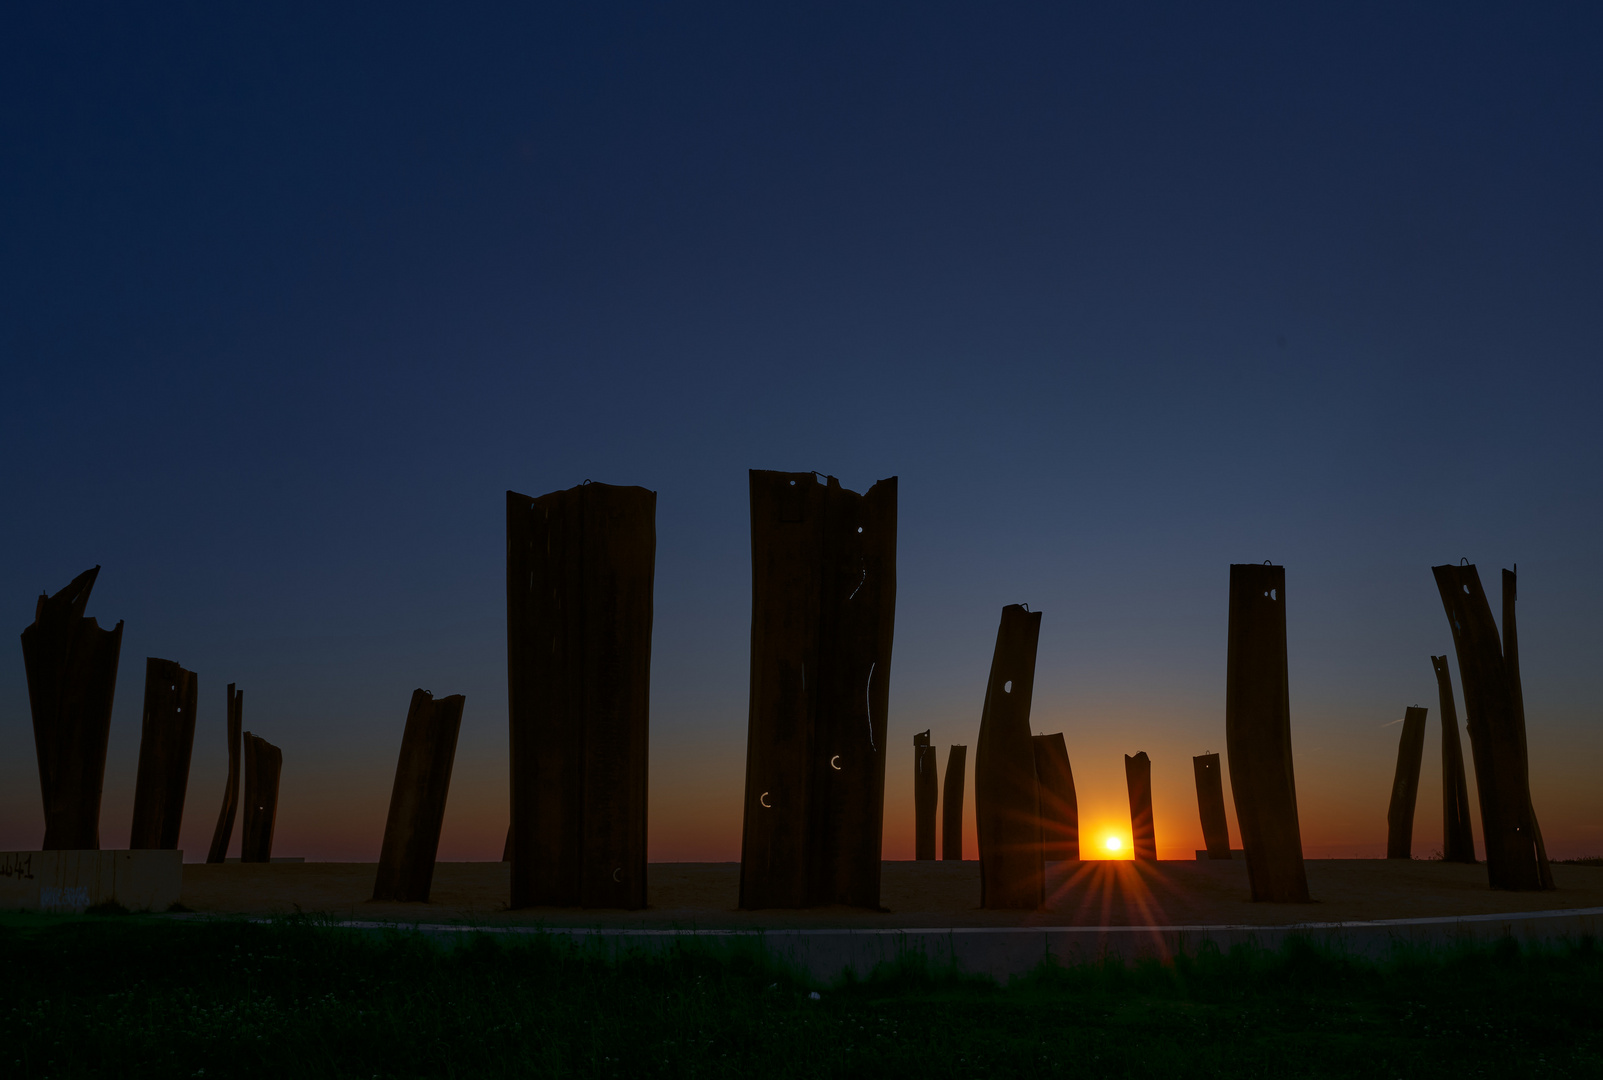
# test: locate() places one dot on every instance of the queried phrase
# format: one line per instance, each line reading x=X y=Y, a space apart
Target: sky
x=290 y=297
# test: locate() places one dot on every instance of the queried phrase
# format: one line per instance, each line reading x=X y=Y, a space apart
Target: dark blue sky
x=289 y=298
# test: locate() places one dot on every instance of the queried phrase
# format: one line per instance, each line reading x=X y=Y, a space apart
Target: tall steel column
x=166 y=740
x=1458 y=840
x=264 y=764
x=952 y=804
x=1006 y=797
x=925 y=796
x=1138 y=782
x=1060 y=808
x=1405 y=786
x=1211 y=805
x=225 y=818
x=417 y=799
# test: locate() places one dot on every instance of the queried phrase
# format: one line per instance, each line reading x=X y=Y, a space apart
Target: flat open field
x=1093 y=893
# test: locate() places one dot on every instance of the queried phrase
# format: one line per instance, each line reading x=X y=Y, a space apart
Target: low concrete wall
x=1003 y=952
x=73 y=881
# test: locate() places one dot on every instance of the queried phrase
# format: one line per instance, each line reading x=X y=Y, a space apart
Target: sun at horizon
x=1113 y=843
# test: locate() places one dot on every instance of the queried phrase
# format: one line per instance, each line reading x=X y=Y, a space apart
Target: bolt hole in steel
x=1007 y=687
x=834 y=762
x=859 y=528
x=617 y=874
x=763 y=798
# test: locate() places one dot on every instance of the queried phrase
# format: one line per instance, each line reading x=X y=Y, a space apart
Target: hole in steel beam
x=834 y=763
x=763 y=798
x=1007 y=687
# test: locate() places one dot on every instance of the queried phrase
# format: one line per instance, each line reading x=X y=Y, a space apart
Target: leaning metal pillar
x=1405 y=786
x=72 y=674
x=264 y=762
x=1458 y=841
x=1138 y=781
x=1493 y=702
x=417 y=800
x=925 y=796
x=1258 y=734
x=823 y=563
x=580 y=569
x=225 y=819
x=1211 y=805
x=1006 y=798
x=952 y=804
x=1060 y=809
x=166 y=740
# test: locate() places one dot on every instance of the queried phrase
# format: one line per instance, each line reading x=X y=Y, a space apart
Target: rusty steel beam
x=263 y=764
x=952 y=804
x=225 y=819
x=1458 y=841
x=1138 y=782
x=580 y=570
x=1515 y=858
x=71 y=667
x=926 y=794
x=1405 y=785
x=1006 y=796
x=417 y=800
x=166 y=740
x=1258 y=734
x=823 y=620
x=1211 y=805
x=1060 y=808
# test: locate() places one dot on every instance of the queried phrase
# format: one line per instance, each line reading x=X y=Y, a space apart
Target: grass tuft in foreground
x=140 y=996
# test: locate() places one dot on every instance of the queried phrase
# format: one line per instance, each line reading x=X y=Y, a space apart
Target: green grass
x=134 y=996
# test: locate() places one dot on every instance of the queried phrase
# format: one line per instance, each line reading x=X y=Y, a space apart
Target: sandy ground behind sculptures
x=915 y=894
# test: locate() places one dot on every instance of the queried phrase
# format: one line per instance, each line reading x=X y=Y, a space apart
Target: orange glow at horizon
x=1112 y=843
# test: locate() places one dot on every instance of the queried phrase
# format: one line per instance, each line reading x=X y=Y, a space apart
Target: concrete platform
x=73 y=881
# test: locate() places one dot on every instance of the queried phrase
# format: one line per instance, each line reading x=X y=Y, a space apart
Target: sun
x=1113 y=843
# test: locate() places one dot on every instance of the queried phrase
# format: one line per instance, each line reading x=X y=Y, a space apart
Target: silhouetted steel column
x=72 y=675
x=823 y=620
x=263 y=764
x=1006 y=800
x=1514 y=856
x=580 y=570
x=1258 y=734
x=1211 y=805
x=1511 y=664
x=1458 y=841
x=166 y=740
x=1060 y=809
x=925 y=795
x=417 y=800
x=952 y=803
x=1138 y=781
x=1405 y=786
x=225 y=820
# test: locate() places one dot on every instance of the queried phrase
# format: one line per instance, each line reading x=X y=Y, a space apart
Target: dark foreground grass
x=138 y=996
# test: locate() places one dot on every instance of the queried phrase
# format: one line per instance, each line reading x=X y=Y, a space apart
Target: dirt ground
x=914 y=893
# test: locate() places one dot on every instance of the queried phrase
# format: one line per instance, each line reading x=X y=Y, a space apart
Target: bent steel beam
x=71 y=667
x=952 y=804
x=1458 y=841
x=580 y=570
x=1006 y=797
x=1060 y=809
x=1138 y=781
x=1405 y=785
x=1258 y=734
x=823 y=619
x=225 y=820
x=1211 y=805
x=417 y=800
x=264 y=762
x=166 y=740
x=925 y=796
x=1515 y=858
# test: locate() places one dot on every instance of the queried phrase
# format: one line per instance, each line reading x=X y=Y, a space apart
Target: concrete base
x=73 y=881
x=1235 y=853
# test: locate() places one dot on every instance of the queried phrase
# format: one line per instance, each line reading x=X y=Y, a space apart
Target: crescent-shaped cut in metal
x=615 y=874
x=763 y=798
x=834 y=762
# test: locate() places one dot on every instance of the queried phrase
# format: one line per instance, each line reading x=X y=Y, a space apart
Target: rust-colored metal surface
x=823 y=620
x=1495 y=716
x=952 y=803
x=263 y=764
x=926 y=793
x=1006 y=798
x=225 y=820
x=166 y=740
x=1211 y=805
x=1138 y=782
x=580 y=570
x=417 y=801
x=71 y=666
x=1258 y=734
x=1405 y=785
x=1458 y=841
x=1060 y=808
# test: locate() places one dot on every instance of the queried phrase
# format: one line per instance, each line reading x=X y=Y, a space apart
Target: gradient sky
x=289 y=298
